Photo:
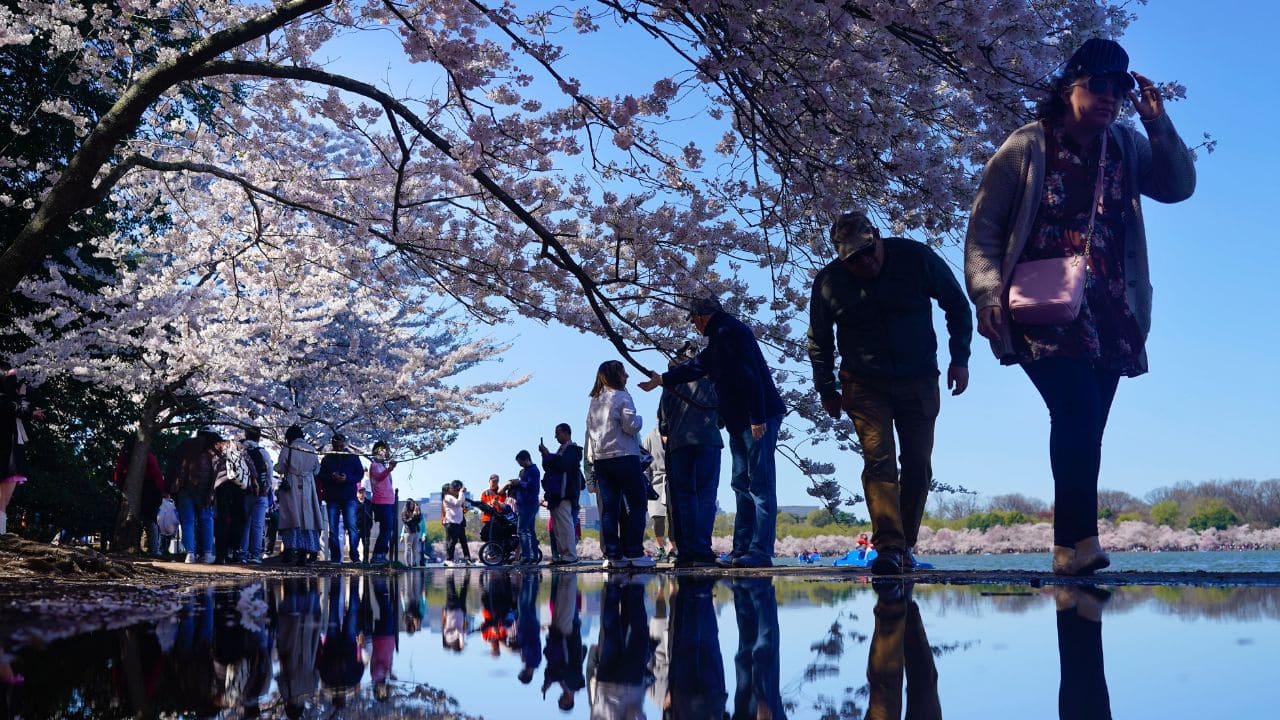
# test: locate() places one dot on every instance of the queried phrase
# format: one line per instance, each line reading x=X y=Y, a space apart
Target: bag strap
x=1097 y=197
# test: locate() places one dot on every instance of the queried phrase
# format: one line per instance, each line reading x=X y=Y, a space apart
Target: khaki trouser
x=565 y=531
x=895 y=499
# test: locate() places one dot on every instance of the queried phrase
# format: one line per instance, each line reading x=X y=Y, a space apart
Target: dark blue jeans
x=342 y=514
x=526 y=515
x=622 y=506
x=255 y=523
x=1079 y=400
x=693 y=476
x=754 y=483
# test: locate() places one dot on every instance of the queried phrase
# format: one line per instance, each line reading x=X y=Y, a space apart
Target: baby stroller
x=503 y=547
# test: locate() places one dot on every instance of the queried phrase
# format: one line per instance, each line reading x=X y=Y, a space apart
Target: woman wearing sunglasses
x=1056 y=264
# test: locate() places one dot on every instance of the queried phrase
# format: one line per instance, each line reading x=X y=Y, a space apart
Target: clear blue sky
x=1206 y=409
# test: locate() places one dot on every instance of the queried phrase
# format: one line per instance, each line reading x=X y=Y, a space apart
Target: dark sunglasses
x=1118 y=86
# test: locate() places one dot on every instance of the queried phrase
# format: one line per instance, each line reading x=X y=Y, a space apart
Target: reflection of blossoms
x=252 y=608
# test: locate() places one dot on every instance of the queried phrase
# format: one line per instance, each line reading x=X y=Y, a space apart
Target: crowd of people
x=1056 y=263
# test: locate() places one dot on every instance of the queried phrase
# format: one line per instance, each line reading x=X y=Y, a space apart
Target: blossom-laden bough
x=484 y=159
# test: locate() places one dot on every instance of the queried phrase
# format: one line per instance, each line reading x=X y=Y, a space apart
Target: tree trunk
x=129 y=520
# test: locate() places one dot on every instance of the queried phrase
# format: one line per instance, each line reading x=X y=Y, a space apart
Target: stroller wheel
x=492 y=554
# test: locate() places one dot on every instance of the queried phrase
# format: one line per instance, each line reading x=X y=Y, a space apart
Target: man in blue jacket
x=752 y=411
x=341 y=473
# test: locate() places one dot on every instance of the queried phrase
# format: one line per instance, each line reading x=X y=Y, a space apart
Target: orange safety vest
x=492 y=499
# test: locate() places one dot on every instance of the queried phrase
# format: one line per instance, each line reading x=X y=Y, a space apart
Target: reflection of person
x=298 y=642
x=618 y=671
x=696 y=689
x=878 y=294
x=385 y=623
x=1082 y=694
x=339 y=660
x=497 y=598
x=564 y=652
x=899 y=645
x=1069 y=184
x=752 y=411
x=758 y=696
x=528 y=629
x=453 y=616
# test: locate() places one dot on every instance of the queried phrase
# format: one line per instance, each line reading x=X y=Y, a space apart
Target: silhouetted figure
x=695 y=687
x=528 y=630
x=1082 y=693
x=618 y=669
x=339 y=661
x=757 y=696
x=564 y=651
x=298 y=643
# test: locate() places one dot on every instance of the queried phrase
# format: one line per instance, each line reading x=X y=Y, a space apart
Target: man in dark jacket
x=341 y=473
x=561 y=486
x=752 y=411
x=879 y=296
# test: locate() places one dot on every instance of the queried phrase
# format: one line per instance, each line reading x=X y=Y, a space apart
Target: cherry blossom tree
x=208 y=314
x=506 y=184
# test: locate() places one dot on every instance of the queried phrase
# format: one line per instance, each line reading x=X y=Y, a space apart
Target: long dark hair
x=1052 y=107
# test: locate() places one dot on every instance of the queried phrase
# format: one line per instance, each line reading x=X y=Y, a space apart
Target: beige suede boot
x=1089 y=557
x=1062 y=559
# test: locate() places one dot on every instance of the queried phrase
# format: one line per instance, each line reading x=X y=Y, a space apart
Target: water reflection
x=900 y=647
x=1082 y=694
x=468 y=643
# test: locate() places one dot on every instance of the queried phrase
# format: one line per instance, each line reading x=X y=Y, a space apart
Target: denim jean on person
x=255 y=526
x=525 y=517
x=754 y=483
x=622 y=506
x=197 y=526
x=1078 y=397
x=693 y=476
x=344 y=514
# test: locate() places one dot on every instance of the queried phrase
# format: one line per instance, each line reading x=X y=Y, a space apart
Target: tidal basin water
x=494 y=644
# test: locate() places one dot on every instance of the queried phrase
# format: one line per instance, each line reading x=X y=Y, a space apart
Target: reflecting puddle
x=492 y=644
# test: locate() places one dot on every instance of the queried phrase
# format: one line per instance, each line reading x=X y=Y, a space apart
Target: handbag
x=1050 y=292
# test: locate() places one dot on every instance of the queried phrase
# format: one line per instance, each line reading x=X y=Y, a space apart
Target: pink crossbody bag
x=1050 y=292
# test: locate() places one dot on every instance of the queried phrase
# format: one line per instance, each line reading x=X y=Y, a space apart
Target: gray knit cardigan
x=1000 y=222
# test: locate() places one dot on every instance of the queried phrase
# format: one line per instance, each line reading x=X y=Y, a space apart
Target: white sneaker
x=209 y=559
x=448 y=563
x=191 y=559
x=616 y=564
x=644 y=561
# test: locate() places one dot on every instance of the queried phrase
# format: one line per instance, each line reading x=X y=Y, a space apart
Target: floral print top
x=1106 y=331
